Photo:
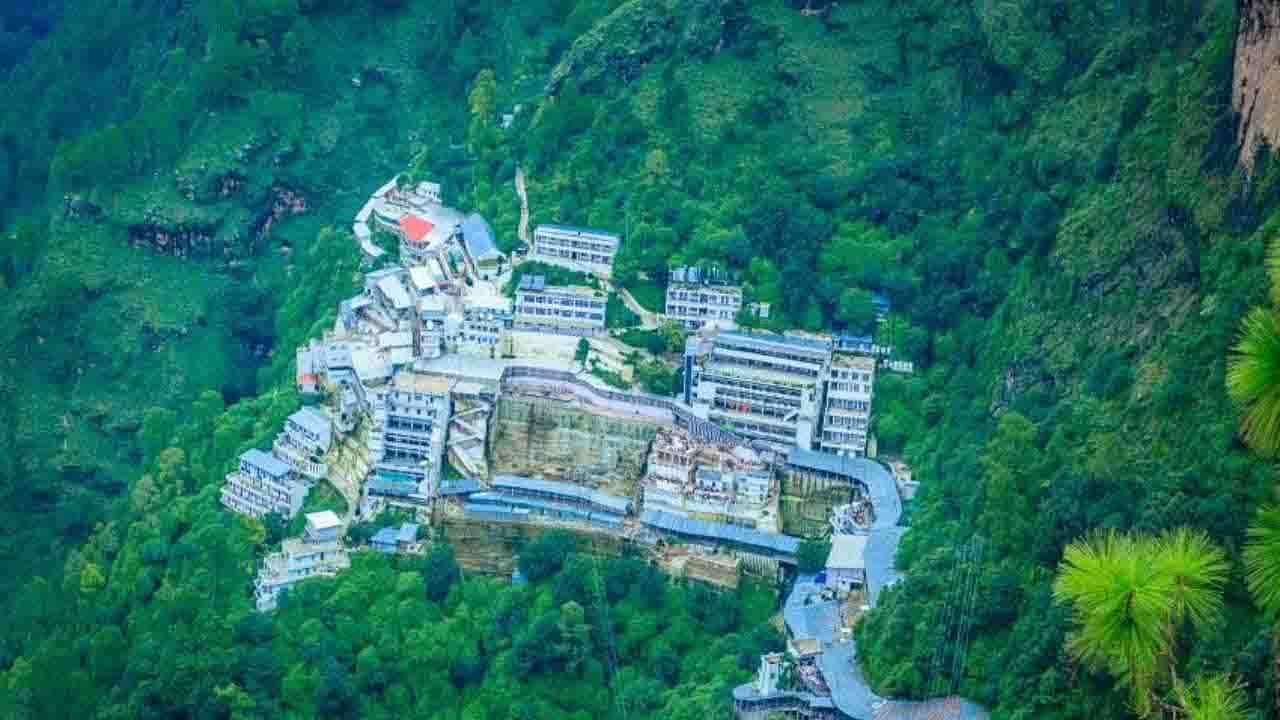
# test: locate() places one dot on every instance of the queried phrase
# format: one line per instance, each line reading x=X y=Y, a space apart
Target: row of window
x=543 y=243
x=732 y=394
x=556 y=312
x=851 y=387
x=705 y=298
x=694 y=311
x=732 y=382
x=849 y=374
x=408 y=424
x=578 y=256
x=851 y=405
x=561 y=300
x=747 y=408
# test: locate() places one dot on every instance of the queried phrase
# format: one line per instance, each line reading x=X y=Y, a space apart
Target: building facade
x=263 y=484
x=410 y=418
x=763 y=386
x=696 y=299
x=304 y=441
x=485 y=318
x=575 y=248
x=846 y=408
x=846 y=563
x=566 y=310
x=319 y=553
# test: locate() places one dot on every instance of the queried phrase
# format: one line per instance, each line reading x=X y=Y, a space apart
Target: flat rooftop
x=857 y=362
x=323 y=520
x=419 y=382
x=774 y=341
x=580 y=290
x=848 y=552
x=575 y=230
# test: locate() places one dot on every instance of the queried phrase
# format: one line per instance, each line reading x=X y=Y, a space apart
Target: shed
x=847 y=562
x=323 y=526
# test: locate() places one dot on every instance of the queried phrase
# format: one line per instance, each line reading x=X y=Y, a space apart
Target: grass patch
x=650 y=295
x=554 y=274
x=618 y=315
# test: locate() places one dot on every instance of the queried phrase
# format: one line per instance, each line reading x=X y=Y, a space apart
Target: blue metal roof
x=478 y=237
x=516 y=483
x=384 y=486
x=497 y=512
x=881 y=487
x=461 y=486
x=680 y=525
x=408 y=532
x=385 y=536
x=266 y=462
x=577 y=229
x=764 y=339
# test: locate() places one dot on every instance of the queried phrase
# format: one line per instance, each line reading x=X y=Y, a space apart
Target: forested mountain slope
x=1048 y=193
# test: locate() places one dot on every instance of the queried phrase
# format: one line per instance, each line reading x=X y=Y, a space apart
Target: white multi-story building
x=846 y=410
x=263 y=484
x=319 y=553
x=304 y=441
x=486 y=316
x=760 y=385
x=410 y=418
x=697 y=299
x=566 y=310
x=430 y=332
x=575 y=248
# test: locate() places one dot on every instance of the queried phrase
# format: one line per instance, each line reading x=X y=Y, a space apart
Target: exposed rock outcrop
x=553 y=439
x=187 y=241
x=1255 y=94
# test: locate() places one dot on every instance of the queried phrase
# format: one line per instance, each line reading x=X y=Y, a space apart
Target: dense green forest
x=1047 y=192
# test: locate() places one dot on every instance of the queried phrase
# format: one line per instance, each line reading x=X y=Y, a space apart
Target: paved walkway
x=523 y=232
x=648 y=320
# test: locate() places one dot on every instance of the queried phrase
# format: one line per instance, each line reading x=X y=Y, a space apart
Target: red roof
x=415 y=228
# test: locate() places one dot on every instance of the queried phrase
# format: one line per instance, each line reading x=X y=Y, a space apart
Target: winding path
x=649 y=320
x=812 y=618
x=523 y=232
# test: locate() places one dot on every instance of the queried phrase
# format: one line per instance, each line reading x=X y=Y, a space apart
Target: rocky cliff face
x=1255 y=94
x=562 y=441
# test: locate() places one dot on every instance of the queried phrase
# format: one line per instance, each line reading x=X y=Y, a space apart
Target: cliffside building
x=486 y=317
x=698 y=298
x=567 y=310
x=319 y=553
x=760 y=385
x=304 y=441
x=575 y=248
x=407 y=435
x=846 y=408
x=263 y=484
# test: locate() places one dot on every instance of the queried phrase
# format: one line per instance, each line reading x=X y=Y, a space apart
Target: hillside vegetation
x=1046 y=192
